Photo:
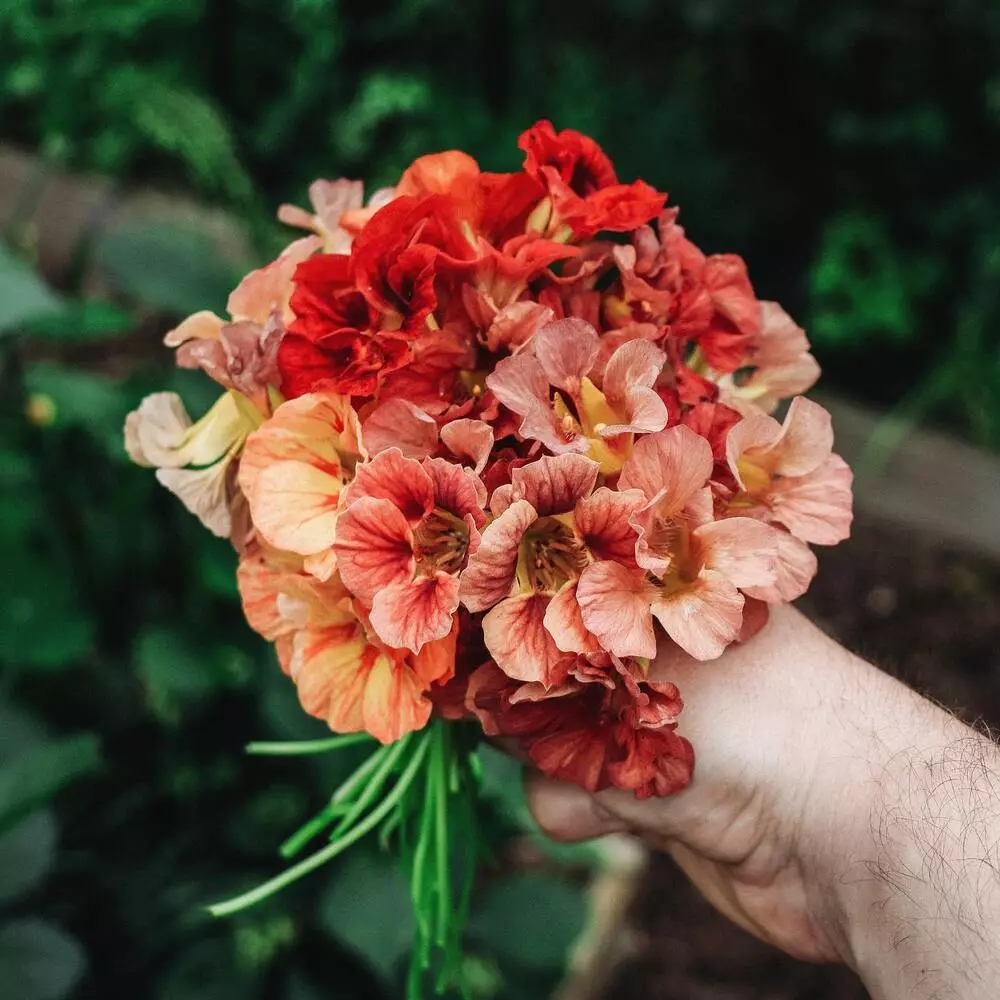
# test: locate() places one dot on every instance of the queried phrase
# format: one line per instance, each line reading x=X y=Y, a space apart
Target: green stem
x=329 y=852
x=379 y=778
x=302 y=747
x=440 y=779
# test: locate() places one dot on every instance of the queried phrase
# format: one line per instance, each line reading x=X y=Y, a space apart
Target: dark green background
x=848 y=150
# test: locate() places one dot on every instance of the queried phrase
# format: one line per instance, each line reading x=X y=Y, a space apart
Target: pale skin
x=834 y=813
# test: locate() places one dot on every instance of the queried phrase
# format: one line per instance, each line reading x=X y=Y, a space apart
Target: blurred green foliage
x=848 y=150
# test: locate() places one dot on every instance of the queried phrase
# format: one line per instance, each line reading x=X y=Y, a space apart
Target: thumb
x=567 y=812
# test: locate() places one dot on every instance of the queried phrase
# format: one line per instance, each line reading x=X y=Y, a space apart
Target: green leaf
x=177 y=270
x=38 y=961
x=26 y=854
x=530 y=920
x=367 y=907
x=35 y=775
x=24 y=297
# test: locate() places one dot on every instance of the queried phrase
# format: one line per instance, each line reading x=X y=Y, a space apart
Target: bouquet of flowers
x=485 y=442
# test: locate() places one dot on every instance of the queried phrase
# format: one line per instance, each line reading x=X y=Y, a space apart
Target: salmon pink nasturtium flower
x=549 y=524
x=343 y=674
x=293 y=471
x=405 y=534
x=690 y=567
x=788 y=473
x=550 y=389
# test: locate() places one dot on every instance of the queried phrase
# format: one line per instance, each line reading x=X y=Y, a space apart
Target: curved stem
x=295 y=748
x=329 y=852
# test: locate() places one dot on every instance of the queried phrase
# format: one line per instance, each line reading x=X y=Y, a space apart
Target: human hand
x=816 y=818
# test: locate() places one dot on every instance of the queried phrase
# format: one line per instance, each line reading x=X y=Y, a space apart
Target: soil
x=925 y=612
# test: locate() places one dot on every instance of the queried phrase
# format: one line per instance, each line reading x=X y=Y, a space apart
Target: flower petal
x=806 y=438
x=160 y=432
x=552 y=484
x=566 y=349
x=489 y=577
x=374 y=547
x=614 y=603
x=205 y=492
x=817 y=507
x=703 y=617
x=294 y=506
x=204 y=325
x=602 y=521
x=745 y=551
x=471 y=440
x=564 y=621
x=457 y=489
x=628 y=379
x=515 y=634
x=411 y=613
x=397 y=423
x=795 y=568
x=391 y=476
x=671 y=465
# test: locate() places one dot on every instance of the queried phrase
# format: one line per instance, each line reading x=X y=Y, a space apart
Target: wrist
x=916 y=900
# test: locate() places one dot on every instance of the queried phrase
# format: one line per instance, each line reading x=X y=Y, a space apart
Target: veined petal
x=816 y=507
x=744 y=550
x=614 y=603
x=391 y=476
x=398 y=423
x=395 y=700
x=671 y=465
x=806 y=439
x=374 y=547
x=515 y=634
x=628 y=379
x=410 y=613
x=457 y=489
x=294 y=506
x=327 y=666
x=795 y=568
x=310 y=430
x=564 y=621
x=489 y=577
x=552 y=484
x=602 y=520
x=522 y=386
x=703 y=617
x=471 y=440
x=566 y=349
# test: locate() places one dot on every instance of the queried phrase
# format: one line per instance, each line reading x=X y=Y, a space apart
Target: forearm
x=920 y=892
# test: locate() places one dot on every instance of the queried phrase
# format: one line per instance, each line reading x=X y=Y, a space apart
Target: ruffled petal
x=745 y=551
x=816 y=508
x=489 y=577
x=205 y=492
x=374 y=547
x=602 y=521
x=515 y=634
x=411 y=613
x=391 y=476
x=566 y=350
x=702 y=618
x=564 y=621
x=671 y=465
x=469 y=440
x=397 y=423
x=551 y=484
x=615 y=607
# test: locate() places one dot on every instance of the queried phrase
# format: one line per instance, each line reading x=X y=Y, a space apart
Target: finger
x=567 y=812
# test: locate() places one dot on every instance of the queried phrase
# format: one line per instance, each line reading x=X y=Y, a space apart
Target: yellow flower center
x=550 y=555
x=441 y=542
